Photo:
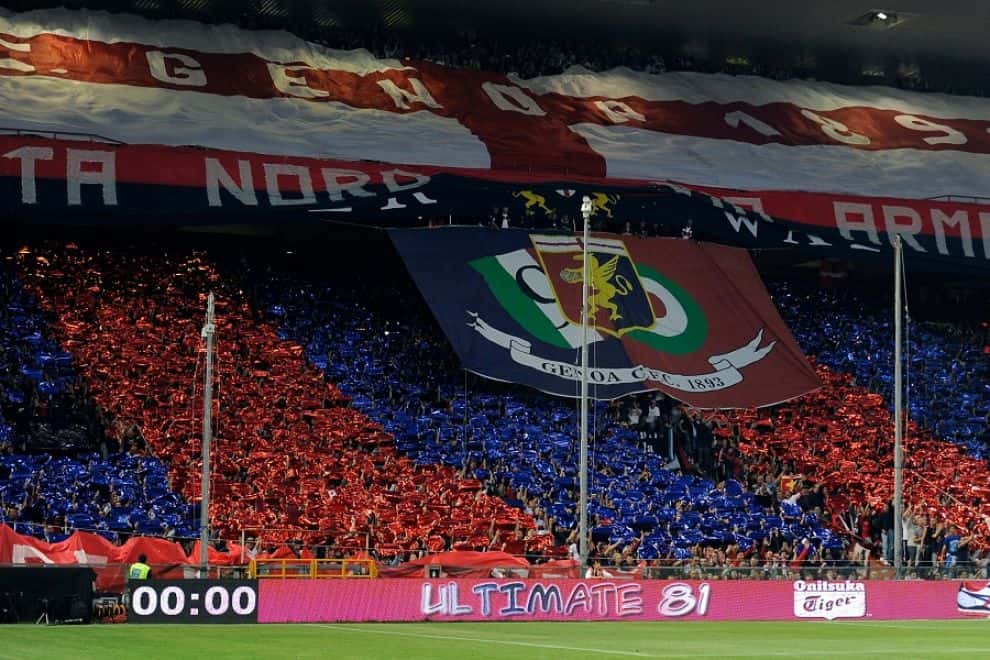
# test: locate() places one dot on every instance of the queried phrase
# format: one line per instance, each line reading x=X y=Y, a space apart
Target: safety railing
x=58 y=135
x=313 y=568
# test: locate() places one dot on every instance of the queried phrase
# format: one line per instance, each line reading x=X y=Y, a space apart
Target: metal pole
x=898 y=415
x=204 y=505
x=583 y=468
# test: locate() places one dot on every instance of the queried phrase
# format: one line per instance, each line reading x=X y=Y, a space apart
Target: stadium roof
x=940 y=42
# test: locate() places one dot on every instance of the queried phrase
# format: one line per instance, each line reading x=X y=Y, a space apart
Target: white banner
x=124 y=78
x=725 y=375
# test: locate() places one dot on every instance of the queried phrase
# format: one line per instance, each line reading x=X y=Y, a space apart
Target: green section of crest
x=518 y=305
x=694 y=335
x=531 y=318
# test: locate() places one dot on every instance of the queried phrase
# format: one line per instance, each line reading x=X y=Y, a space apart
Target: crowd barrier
x=287 y=601
x=313 y=568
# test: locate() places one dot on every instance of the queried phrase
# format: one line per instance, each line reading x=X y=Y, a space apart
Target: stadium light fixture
x=881 y=19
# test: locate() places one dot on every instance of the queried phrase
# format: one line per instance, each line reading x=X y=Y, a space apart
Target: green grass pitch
x=462 y=641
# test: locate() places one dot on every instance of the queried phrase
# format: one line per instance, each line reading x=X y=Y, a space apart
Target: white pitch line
x=556 y=647
x=637 y=654
x=919 y=625
x=824 y=654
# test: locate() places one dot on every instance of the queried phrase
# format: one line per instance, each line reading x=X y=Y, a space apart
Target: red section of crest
x=728 y=289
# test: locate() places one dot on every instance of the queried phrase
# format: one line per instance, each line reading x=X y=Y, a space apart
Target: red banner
x=64 y=176
x=94 y=550
x=876 y=220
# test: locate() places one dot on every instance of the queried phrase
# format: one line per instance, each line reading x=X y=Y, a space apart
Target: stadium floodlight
x=881 y=19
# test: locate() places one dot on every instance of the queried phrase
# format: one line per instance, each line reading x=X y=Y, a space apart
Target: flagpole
x=204 y=504
x=898 y=415
x=583 y=468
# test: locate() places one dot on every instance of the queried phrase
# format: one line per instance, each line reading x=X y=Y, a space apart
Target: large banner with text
x=149 y=119
x=284 y=601
x=691 y=319
x=61 y=180
x=129 y=80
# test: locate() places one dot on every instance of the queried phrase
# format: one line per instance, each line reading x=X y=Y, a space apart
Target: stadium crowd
x=404 y=454
x=948 y=367
x=733 y=452
x=290 y=455
x=521 y=445
x=59 y=468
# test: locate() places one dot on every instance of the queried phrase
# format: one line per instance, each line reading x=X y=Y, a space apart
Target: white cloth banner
x=726 y=366
x=138 y=81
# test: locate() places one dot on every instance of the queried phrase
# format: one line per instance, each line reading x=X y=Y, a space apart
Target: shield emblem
x=617 y=300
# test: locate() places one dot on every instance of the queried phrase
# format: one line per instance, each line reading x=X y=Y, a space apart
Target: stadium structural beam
x=898 y=414
x=583 y=423
x=208 y=332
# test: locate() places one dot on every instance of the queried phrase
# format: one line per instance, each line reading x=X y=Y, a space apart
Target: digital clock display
x=193 y=601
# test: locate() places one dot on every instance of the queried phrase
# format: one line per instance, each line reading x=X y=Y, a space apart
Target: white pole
x=898 y=414
x=204 y=505
x=583 y=468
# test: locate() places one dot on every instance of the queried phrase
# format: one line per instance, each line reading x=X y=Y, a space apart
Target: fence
x=313 y=568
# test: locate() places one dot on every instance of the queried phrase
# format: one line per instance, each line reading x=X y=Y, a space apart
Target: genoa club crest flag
x=691 y=319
